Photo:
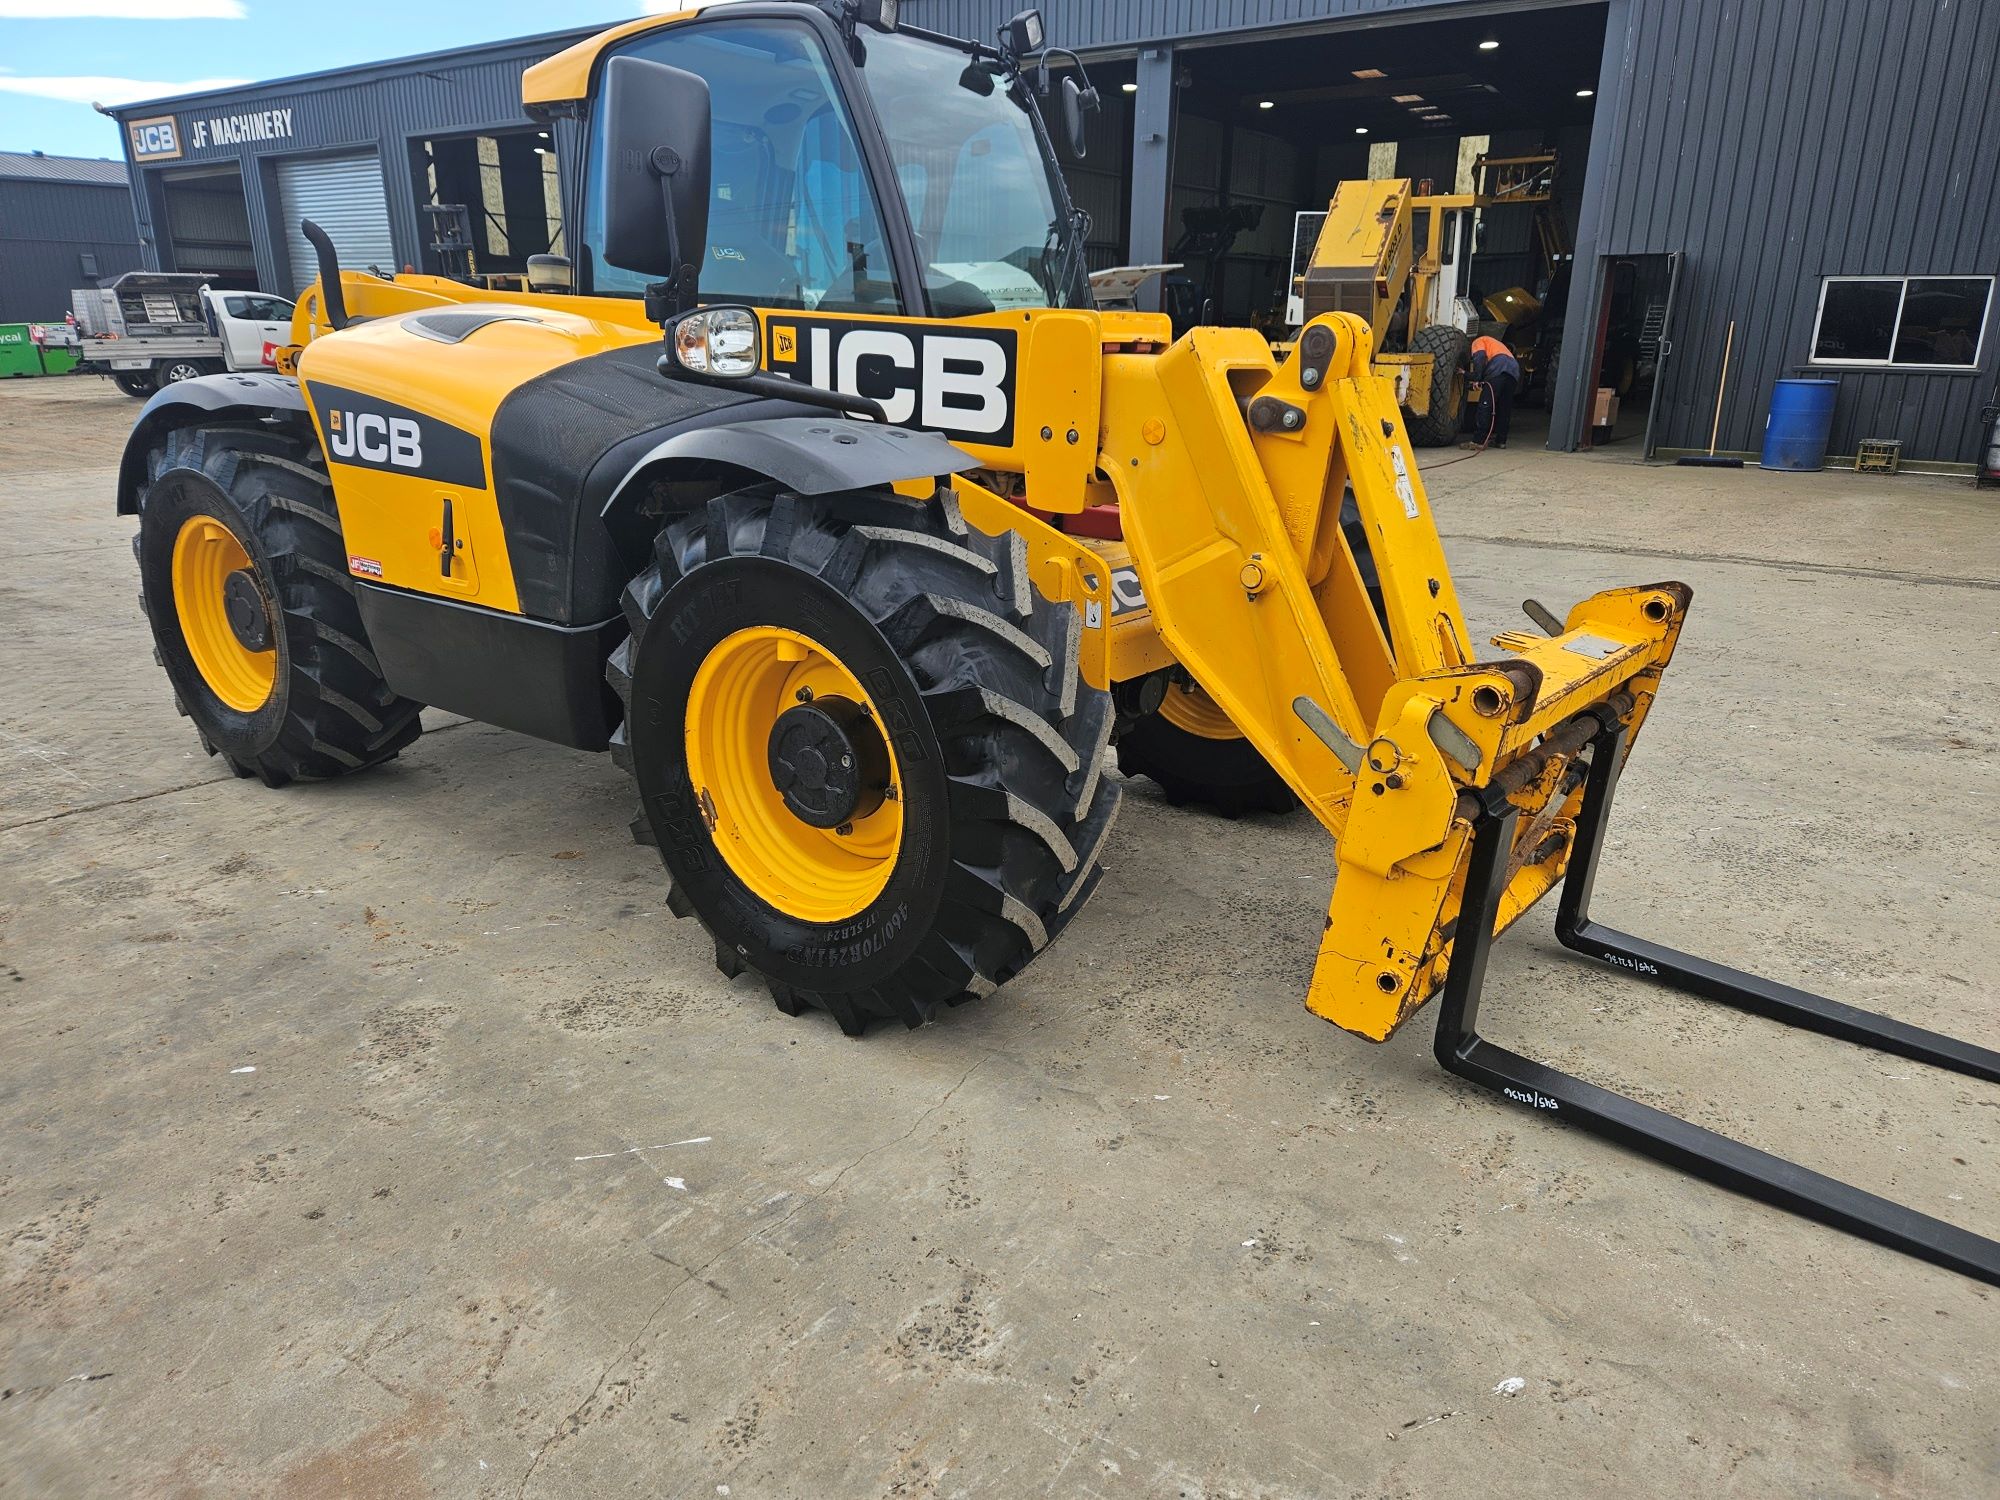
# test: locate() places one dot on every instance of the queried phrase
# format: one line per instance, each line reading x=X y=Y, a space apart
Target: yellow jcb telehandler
x=1395 y=254
x=863 y=568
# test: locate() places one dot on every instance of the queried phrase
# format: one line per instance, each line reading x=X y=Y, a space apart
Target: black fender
x=576 y=452
x=186 y=402
x=814 y=455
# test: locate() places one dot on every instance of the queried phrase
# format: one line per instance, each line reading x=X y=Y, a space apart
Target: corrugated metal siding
x=30 y=167
x=86 y=213
x=1777 y=144
x=46 y=228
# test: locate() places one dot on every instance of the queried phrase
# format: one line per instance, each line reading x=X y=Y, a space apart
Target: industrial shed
x=64 y=222
x=1716 y=166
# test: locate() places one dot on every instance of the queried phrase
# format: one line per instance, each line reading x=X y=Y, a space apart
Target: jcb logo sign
x=959 y=383
x=154 y=140
x=375 y=439
x=368 y=433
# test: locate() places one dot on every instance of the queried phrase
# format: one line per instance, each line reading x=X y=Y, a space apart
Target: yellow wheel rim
x=1188 y=707
x=205 y=553
x=742 y=688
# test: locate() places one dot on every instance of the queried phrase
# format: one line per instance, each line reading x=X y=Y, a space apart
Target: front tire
x=777 y=637
x=137 y=383
x=243 y=578
x=1437 y=426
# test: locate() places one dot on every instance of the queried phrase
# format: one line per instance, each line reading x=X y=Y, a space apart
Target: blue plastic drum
x=1795 y=432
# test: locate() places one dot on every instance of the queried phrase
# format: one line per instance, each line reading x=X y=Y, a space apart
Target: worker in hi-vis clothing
x=1499 y=377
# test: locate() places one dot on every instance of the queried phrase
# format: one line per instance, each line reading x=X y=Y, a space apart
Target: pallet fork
x=1459 y=791
x=1667 y=1138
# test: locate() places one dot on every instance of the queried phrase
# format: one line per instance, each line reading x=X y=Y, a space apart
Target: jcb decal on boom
x=955 y=380
x=1126 y=595
x=370 y=433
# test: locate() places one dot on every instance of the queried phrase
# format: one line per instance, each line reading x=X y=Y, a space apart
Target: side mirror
x=655 y=132
x=1077 y=101
x=549 y=274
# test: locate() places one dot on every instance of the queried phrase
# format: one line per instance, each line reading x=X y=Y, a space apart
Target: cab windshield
x=981 y=190
x=795 y=217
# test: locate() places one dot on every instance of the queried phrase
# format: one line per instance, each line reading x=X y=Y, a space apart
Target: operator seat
x=743 y=202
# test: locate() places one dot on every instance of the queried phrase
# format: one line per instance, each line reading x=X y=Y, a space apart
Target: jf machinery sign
x=165 y=137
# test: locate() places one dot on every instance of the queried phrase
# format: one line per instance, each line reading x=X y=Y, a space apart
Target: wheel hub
x=795 y=778
x=828 y=761
x=224 y=619
x=244 y=607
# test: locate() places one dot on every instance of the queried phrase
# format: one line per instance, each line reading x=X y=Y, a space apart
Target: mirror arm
x=1090 y=96
x=676 y=294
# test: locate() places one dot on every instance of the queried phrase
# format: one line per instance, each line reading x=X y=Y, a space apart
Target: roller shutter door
x=345 y=197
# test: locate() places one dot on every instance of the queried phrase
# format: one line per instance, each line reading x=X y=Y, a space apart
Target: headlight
x=717 y=341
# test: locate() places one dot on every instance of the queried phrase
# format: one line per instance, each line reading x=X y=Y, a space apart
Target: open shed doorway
x=1634 y=349
x=488 y=201
x=1267 y=126
x=208 y=226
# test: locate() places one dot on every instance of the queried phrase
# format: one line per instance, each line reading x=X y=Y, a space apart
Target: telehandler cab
x=861 y=576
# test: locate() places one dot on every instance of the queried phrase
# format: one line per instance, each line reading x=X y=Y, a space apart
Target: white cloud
x=122 y=10
x=90 y=89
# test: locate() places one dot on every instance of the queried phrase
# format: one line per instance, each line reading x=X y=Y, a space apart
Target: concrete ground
x=387 y=1138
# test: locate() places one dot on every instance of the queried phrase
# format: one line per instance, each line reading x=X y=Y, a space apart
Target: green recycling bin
x=18 y=354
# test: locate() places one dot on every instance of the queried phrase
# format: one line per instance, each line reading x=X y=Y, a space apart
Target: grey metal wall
x=45 y=230
x=1777 y=142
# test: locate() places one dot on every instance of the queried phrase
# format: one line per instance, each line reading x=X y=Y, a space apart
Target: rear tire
x=263 y=491
x=1195 y=756
x=139 y=383
x=998 y=747
x=1437 y=427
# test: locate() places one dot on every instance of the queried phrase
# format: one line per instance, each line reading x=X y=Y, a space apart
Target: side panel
x=1020 y=391
x=526 y=675
x=406 y=407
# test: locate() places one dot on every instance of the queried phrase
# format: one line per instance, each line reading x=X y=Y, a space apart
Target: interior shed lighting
x=1489 y=45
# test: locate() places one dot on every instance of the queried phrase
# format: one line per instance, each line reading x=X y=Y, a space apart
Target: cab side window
x=792 y=217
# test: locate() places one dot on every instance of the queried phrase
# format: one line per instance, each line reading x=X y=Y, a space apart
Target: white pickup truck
x=151 y=328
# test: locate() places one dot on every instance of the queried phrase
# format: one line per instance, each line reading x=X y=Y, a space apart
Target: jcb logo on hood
x=959 y=383
x=368 y=433
x=374 y=438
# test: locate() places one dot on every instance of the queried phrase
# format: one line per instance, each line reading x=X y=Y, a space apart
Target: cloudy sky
x=57 y=56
